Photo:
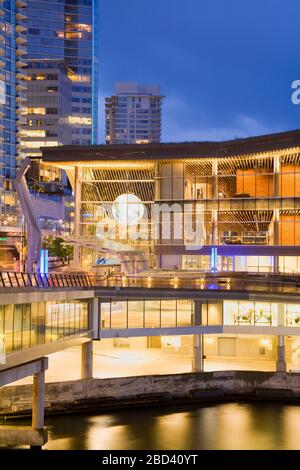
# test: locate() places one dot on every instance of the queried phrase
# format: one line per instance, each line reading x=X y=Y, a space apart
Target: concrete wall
x=107 y=393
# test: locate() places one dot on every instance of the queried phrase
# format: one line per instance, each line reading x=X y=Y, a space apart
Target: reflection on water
x=225 y=426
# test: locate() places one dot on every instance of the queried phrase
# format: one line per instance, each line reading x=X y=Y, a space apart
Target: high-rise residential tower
x=49 y=106
x=133 y=114
x=12 y=97
x=68 y=29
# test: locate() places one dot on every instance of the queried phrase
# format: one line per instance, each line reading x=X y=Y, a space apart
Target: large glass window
x=28 y=325
x=251 y=313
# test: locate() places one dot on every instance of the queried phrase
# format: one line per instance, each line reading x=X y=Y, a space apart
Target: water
x=223 y=426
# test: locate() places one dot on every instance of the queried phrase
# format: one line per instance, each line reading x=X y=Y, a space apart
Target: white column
x=276 y=170
x=77 y=203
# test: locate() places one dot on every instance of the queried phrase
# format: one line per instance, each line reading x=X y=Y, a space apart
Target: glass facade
x=69 y=30
x=24 y=326
x=259 y=313
x=157 y=313
x=12 y=97
x=247 y=209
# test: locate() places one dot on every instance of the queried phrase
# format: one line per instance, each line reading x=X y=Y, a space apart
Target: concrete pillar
x=77 y=206
x=197 y=363
x=280 y=362
x=38 y=400
x=87 y=360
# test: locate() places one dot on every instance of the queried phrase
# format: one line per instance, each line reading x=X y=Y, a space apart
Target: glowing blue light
x=44 y=269
x=214 y=260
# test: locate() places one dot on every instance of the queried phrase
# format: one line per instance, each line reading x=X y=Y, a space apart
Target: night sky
x=224 y=66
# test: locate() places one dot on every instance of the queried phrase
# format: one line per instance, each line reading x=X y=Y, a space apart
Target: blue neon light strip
x=214 y=260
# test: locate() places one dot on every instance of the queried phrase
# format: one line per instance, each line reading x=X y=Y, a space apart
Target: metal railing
x=14 y=279
x=270 y=283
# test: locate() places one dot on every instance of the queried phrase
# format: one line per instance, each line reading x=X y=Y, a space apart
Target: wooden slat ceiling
x=245 y=220
x=107 y=185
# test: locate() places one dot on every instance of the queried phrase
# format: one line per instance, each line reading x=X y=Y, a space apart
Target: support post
x=38 y=403
x=280 y=362
x=87 y=360
x=77 y=202
x=95 y=320
x=276 y=219
x=198 y=363
x=276 y=170
x=38 y=400
x=214 y=186
x=214 y=227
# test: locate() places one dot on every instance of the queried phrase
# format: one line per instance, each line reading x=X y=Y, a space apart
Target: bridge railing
x=15 y=279
x=272 y=283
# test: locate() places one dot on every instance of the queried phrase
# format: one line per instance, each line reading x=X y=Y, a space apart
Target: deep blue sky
x=224 y=66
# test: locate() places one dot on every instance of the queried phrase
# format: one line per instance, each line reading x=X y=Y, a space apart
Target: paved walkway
x=120 y=362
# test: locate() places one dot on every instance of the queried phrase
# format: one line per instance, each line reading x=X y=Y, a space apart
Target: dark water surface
x=222 y=426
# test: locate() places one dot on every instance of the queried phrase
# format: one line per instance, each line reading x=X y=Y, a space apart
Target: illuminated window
x=33 y=133
x=36 y=110
x=79 y=78
x=40 y=77
x=141 y=141
x=39 y=144
x=79 y=27
x=33 y=154
x=80 y=120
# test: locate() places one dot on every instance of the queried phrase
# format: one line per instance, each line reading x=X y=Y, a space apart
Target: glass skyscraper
x=12 y=97
x=68 y=29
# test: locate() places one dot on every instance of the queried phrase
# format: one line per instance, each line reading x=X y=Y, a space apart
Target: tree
x=57 y=247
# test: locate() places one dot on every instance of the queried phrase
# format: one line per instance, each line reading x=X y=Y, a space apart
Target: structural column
x=95 y=320
x=280 y=362
x=38 y=400
x=77 y=214
x=87 y=360
x=214 y=183
x=276 y=218
x=214 y=227
x=197 y=365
